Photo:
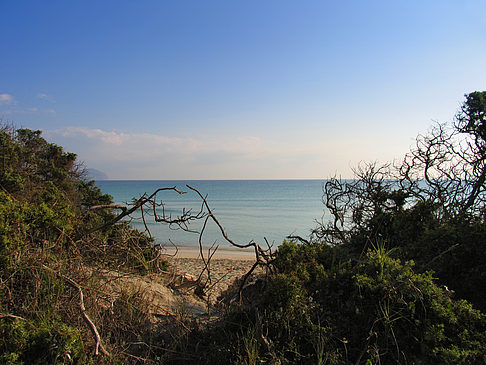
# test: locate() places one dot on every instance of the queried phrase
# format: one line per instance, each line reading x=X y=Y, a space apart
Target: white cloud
x=6 y=99
x=117 y=138
x=45 y=97
x=124 y=155
x=154 y=143
x=152 y=156
x=12 y=107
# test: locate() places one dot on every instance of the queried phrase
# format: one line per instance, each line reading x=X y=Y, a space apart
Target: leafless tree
x=150 y=204
x=446 y=168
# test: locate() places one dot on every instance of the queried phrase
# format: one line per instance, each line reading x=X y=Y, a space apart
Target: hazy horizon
x=237 y=90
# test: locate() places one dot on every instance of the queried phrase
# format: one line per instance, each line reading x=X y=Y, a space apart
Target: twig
x=259 y=252
x=290 y=237
x=108 y=206
x=12 y=316
x=135 y=357
x=443 y=253
x=245 y=278
x=176 y=249
x=144 y=199
x=145 y=223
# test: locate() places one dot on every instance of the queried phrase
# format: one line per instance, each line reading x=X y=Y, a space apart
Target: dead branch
x=134 y=357
x=140 y=203
x=263 y=257
x=245 y=278
x=176 y=250
x=290 y=237
x=443 y=253
x=89 y=322
x=12 y=316
x=108 y=206
x=145 y=224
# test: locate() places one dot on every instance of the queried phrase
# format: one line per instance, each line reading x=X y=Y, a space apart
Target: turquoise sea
x=247 y=209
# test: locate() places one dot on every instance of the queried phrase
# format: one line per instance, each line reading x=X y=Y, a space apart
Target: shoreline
x=222 y=253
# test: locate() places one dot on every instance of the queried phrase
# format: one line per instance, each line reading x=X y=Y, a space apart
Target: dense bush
x=379 y=310
x=40 y=343
x=430 y=207
x=322 y=309
x=45 y=241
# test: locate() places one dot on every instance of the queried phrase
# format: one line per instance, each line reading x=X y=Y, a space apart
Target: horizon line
x=230 y=179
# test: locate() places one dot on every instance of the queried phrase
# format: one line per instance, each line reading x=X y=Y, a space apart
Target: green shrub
x=324 y=309
x=44 y=219
x=22 y=342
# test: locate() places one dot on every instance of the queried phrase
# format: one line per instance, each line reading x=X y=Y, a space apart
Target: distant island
x=93 y=174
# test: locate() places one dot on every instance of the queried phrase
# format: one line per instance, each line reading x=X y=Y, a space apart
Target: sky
x=237 y=89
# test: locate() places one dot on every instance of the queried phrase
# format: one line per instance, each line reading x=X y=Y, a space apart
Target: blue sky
x=237 y=89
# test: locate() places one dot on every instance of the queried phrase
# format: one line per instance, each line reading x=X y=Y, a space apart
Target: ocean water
x=247 y=209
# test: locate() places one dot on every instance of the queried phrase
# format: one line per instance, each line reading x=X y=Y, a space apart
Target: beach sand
x=171 y=295
x=226 y=266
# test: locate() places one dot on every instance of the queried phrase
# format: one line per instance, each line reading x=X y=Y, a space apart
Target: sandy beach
x=170 y=292
x=226 y=265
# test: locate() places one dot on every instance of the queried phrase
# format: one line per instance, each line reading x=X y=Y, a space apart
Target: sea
x=249 y=210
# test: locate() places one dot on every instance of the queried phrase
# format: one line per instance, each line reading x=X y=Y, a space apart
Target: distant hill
x=94 y=174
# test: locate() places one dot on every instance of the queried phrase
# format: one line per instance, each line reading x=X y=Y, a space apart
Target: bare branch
x=89 y=322
x=299 y=239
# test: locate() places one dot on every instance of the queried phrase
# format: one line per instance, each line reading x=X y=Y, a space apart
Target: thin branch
x=108 y=206
x=290 y=237
x=442 y=254
x=263 y=257
x=136 y=205
x=12 y=316
x=89 y=322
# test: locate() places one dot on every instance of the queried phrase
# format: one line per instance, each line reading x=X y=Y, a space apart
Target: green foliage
x=430 y=208
x=12 y=229
x=453 y=249
x=380 y=310
x=28 y=160
x=325 y=309
x=22 y=342
x=44 y=218
x=472 y=116
x=91 y=195
x=24 y=226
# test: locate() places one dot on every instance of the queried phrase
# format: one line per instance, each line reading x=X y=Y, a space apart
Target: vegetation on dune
x=46 y=255
x=321 y=309
x=396 y=276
